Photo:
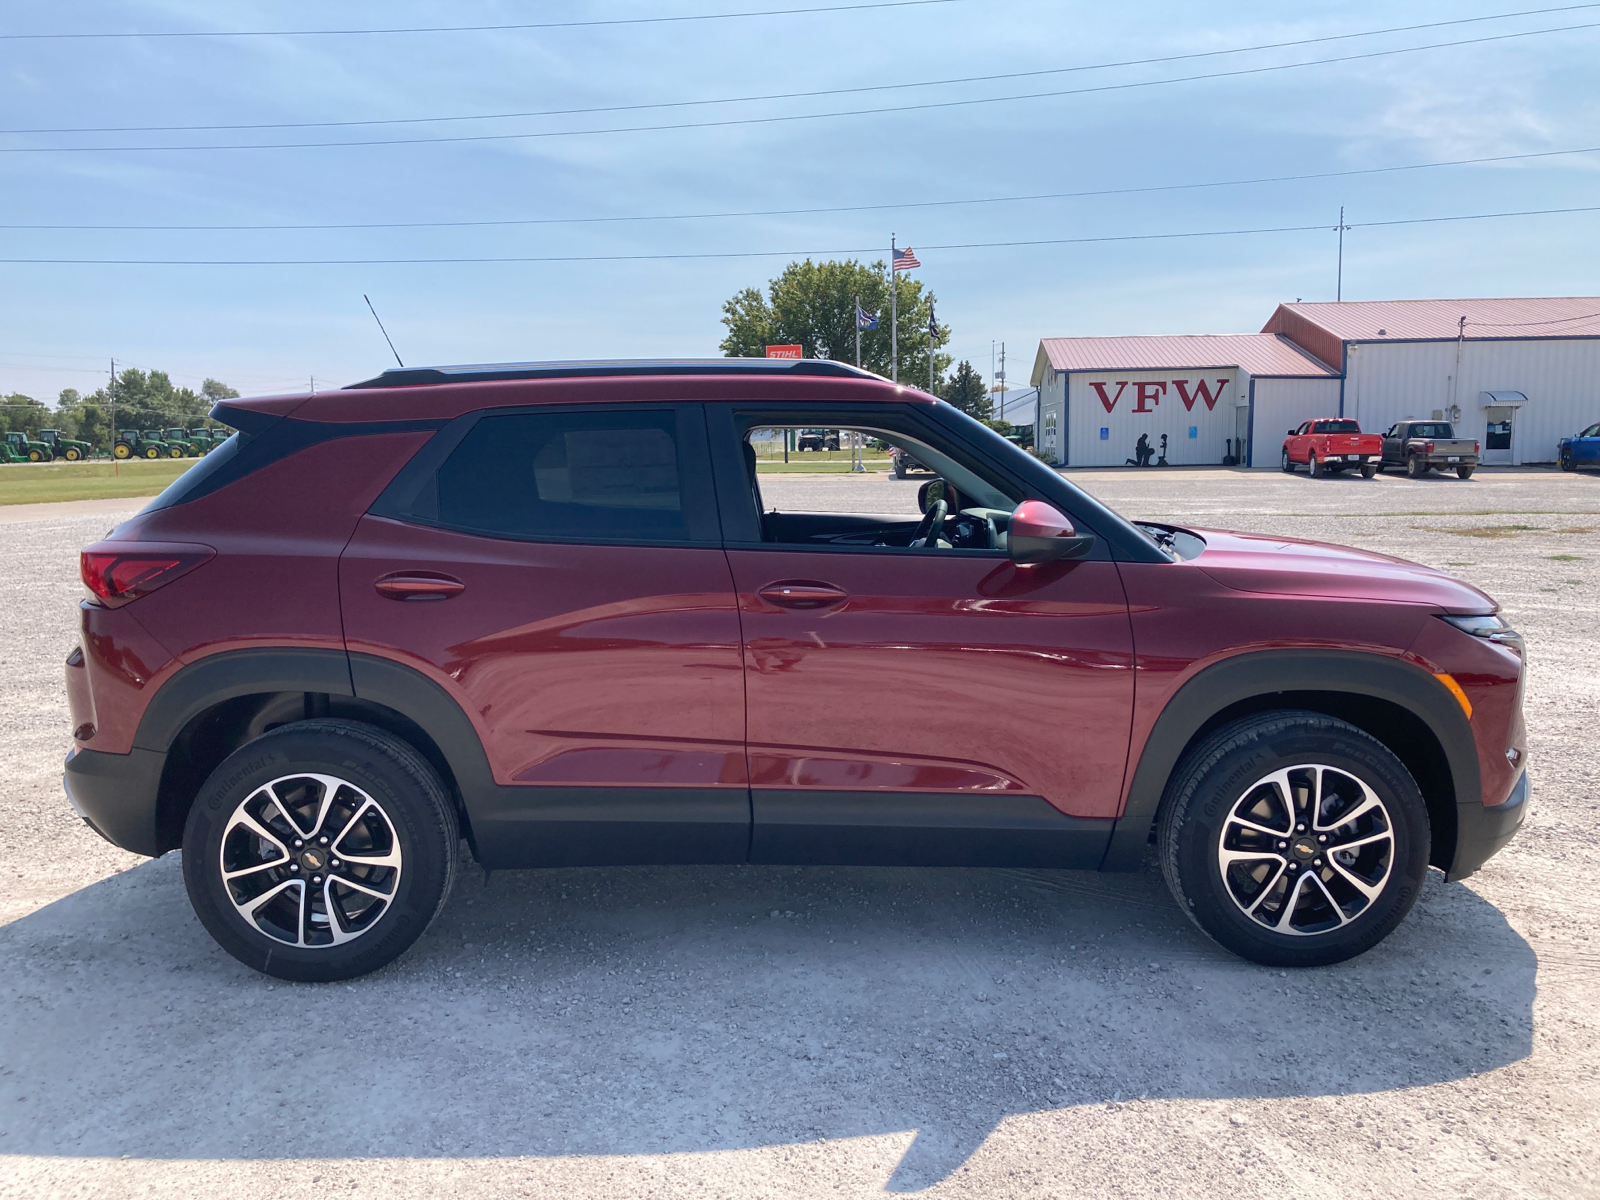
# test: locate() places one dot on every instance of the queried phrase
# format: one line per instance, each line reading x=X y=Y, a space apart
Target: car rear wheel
x=1416 y=467
x=1313 y=466
x=1463 y=472
x=320 y=851
x=1294 y=839
x=1368 y=470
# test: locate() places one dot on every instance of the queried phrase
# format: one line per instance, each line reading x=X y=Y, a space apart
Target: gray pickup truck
x=1420 y=446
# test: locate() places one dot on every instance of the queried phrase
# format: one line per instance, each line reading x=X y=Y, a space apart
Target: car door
x=919 y=705
x=557 y=572
x=1586 y=446
x=1394 y=444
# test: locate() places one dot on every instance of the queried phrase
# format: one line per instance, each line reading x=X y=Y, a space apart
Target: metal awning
x=1501 y=399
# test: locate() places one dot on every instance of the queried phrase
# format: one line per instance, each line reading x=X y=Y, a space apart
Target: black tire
x=72 y=454
x=899 y=470
x=35 y=456
x=1314 y=467
x=1568 y=463
x=152 y=452
x=1368 y=470
x=414 y=817
x=1463 y=472
x=1211 y=787
x=1287 y=464
x=1416 y=466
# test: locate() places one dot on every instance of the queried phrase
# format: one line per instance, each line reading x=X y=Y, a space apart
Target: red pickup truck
x=1331 y=445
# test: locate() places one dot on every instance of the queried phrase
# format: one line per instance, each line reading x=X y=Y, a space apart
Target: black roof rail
x=419 y=376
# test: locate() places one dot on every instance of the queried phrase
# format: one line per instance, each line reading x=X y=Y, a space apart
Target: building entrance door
x=1498 y=435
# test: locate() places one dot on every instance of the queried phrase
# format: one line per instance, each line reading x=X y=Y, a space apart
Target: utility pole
x=856 y=465
x=1338 y=288
x=933 y=332
x=111 y=410
x=1002 y=381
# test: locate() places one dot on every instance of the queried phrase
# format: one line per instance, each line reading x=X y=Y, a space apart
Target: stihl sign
x=1147 y=394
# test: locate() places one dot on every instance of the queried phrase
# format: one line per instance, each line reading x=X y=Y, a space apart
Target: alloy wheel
x=1306 y=849
x=310 y=860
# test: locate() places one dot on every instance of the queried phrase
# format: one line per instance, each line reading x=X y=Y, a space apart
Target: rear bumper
x=1482 y=829
x=116 y=795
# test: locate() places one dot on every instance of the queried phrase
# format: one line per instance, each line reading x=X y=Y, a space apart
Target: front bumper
x=116 y=794
x=1482 y=829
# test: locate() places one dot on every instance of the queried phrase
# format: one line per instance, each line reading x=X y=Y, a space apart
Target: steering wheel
x=932 y=521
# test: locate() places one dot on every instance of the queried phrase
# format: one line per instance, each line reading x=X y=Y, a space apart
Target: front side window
x=604 y=476
x=908 y=495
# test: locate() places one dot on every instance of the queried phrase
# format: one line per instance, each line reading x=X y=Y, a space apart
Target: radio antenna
x=382 y=330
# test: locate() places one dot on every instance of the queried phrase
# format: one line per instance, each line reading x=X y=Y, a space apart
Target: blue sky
x=271 y=328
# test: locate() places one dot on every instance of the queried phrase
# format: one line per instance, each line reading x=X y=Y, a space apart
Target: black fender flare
x=206 y=682
x=1254 y=675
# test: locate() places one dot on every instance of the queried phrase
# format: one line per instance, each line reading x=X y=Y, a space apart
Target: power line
x=884 y=87
x=730 y=254
x=842 y=208
x=859 y=112
x=591 y=24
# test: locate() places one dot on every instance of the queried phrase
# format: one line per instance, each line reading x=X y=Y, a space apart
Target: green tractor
x=181 y=438
x=205 y=439
x=27 y=450
x=168 y=449
x=133 y=444
x=65 y=447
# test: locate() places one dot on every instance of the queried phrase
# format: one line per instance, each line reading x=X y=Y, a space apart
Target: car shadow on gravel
x=660 y=1010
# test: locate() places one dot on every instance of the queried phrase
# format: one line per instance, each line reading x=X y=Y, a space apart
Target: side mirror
x=1291 y=433
x=933 y=490
x=1041 y=533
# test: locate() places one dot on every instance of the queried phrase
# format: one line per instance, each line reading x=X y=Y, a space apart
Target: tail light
x=1429 y=447
x=117 y=572
x=1475 y=449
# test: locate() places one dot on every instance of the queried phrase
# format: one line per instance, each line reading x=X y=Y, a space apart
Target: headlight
x=1492 y=628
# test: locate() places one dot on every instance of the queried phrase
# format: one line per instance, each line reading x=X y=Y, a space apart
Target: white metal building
x=1516 y=374
x=1191 y=398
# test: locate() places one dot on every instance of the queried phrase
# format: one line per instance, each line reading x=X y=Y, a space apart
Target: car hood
x=1249 y=562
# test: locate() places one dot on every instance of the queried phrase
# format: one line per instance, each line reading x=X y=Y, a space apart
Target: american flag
x=905 y=260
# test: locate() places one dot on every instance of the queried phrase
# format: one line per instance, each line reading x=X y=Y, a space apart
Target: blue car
x=1582 y=450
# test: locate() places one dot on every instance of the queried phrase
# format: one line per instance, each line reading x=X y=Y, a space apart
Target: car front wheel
x=320 y=851
x=1568 y=462
x=1294 y=839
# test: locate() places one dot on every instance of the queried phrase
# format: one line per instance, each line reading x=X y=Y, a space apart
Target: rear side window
x=594 y=476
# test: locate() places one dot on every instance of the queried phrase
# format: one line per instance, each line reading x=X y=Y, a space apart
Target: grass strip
x=44 y=483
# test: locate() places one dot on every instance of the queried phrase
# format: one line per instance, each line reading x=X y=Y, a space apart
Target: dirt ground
x=774 y=1032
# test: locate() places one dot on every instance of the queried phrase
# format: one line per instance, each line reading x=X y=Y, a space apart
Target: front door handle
x=803 y=593
x=418 y=585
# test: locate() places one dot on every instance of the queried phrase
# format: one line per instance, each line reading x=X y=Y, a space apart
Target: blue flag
x=864 y=319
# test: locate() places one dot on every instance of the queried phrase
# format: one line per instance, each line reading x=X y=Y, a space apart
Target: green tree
x=149 y=401
x=214 y=390
x=813 y=305
x=23 y=413
x=966 y=391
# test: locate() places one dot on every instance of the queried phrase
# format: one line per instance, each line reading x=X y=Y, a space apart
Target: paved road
x=801 y=1032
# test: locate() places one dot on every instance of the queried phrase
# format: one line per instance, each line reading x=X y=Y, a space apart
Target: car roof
x=604 y=368
x=439 y=393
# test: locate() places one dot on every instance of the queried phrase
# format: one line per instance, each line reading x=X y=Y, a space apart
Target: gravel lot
x=758 y=1031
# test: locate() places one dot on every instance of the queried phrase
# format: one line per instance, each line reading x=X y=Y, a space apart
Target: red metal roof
x=1376 y=320
x=1257 y=353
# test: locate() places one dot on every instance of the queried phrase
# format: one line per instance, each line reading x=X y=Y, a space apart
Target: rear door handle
x=803 y=593
x=419 y=585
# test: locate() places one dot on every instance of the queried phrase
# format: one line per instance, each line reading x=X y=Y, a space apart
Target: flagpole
x=856 y=465
x=894 y=316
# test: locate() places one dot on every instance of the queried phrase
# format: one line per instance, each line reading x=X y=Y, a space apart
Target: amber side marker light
x=1449 y=681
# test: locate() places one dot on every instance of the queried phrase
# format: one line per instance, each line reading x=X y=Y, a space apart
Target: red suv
x=545 y=609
